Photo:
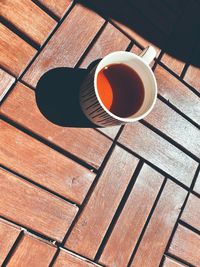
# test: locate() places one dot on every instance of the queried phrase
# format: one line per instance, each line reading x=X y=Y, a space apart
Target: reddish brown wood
x=6 y=80
x=32 y=252
x=191 y=213
x=127 y=230
x=197 y=184
x=158 y=151
x=68 y=43
x=8 y=235
x=33 y=207
x=172 y=63
x=192 y=77
x=110 y=40
x=165 y=119
x=58 y=7
x=15 y=53
x=93 y=222
x=28 y=18
x=43 y=165
x=185 y=245
x=177 y=94
x=159 y=229
x=21 y=107
x=172 y=263
x=66 y=258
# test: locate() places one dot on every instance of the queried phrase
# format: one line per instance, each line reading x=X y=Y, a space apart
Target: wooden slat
x=28 y=18
x=43 y=165
x=177 y=94
x=172 y=263
x=8 y=235
x=58 y=7
x=33 y=207
x=66 y=258
x=192 y=77
x=172 y=63
x=6 y=80
x=164 y=118
x=68 y=43
x=110 y=40
x=197 y=185
x=127 y=230
x=191 y=213
x=159 y=229
x=186 y=245
x=32 y=252
x=159 y=152
x=21 y=107
x=15 y=53
x=93 y=222
x=110 y=131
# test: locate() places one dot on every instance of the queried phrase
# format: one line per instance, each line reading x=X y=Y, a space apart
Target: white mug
x=91 y=103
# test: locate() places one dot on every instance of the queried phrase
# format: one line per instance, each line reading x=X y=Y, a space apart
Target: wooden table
x=83 y=197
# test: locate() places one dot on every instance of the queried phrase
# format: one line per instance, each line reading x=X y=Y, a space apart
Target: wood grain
x=28 y=18
x=8 y=235
x=192 y=77
x=110 y=40
x=160 y=226
x=178 y=94
x=197 y=185
x=126 y=232
x=186 y=245
x=58 y=7
x=32 y=252
x=43 y=165
x=110 y=131
x=96 y=216
x=159 y=152
x=33 y=207
x=21 y=107
x=67 y=45
x=172 y=263
x=164 y=118
x=66 y=258
x=172 y=63
x=15 y=53
x=6 y=81
x=191 y=213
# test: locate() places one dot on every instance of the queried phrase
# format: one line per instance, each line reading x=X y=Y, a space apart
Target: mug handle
x=148 y=54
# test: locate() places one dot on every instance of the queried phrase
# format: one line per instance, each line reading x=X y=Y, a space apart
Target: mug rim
x=100 y=101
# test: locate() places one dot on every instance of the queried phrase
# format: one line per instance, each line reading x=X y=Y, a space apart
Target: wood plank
x=186 y=245
x=8 y=235
x=191 y=213
x=66 y=258
x=110 y=131
x=36 y=161
x=160 y=226
x=28 y=18
x=6 y=81
x=88 y=233
x=128 y=228
x=173 y=64
x=110 y=40
x=21 y=107
x=177 y=94
x=32 y=252
x=192 y=77
x=159 y=152
x=63 y=49
x=197 y=185
x=164 y=118
x=33 y=207
x=172 y=263
x=58 y=7
x=11 y=60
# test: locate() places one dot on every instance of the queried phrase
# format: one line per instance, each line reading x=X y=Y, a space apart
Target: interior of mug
x=145 y=74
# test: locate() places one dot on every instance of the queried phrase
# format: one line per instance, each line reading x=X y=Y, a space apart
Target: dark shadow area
x=172 y=25
x=57 y=96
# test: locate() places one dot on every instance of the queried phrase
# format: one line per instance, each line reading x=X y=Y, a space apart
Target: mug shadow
x=57 y=96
